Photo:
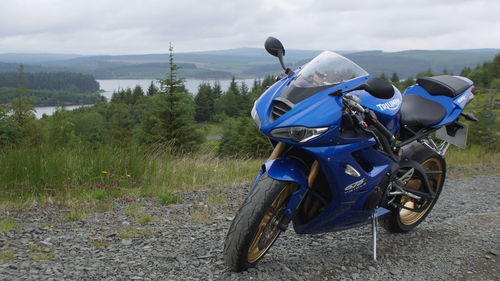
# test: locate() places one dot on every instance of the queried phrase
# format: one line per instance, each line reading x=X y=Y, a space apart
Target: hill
x=242 y=62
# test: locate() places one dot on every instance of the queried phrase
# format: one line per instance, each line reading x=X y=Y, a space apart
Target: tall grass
x=41 y=172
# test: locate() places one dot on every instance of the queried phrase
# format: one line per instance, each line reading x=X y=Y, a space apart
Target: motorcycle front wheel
x=256 y=226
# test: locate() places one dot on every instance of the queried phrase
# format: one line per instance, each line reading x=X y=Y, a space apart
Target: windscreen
x=328 y=68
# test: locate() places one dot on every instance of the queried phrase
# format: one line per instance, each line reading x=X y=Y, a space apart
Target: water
x=109 y=86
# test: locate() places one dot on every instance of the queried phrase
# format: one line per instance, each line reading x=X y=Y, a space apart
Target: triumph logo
x=355 y=185
x=390 y=105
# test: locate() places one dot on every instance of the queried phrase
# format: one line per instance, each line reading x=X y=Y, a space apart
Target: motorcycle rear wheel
x=255 y=227
x=403 y=220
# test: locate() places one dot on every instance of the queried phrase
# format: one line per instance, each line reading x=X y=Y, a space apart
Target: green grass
x=74 y=215
x=133 y=232
x=134 y=209
x=202 y=216
x=145 y=218
x=42 y=174
x=42 y=256
x=7 y=224
x=7 y=255
x=217 y=199
x=168 y=198
x=127 y=234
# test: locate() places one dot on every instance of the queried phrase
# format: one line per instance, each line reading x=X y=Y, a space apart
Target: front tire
x=403 y=220
x=255 y=227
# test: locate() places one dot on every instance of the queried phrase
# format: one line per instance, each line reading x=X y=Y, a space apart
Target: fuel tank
x=387 y=110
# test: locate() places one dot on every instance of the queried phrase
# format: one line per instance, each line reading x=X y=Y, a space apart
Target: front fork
x=290 y=170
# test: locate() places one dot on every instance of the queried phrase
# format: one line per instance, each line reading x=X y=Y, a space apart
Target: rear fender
x=290 y=170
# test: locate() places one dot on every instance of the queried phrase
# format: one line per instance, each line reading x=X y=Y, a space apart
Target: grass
x=41 y=256
x=7 y=224
x=134 y=209
x=40 y=253
x=74 y=215
x=127 y=234
x=168 y=198
x=42 y=174
x=217 y=199
x=133 y=232
x=201 y=216
x=7 y=255
x=145 y=218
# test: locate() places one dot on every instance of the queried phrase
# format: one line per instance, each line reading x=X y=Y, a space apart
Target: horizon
x=238 y=48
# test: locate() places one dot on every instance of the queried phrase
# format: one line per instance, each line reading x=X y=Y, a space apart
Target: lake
x=109 y=86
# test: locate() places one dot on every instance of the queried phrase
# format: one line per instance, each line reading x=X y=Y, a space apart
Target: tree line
x=49 y=89
x=64 y=81
x=169 y=117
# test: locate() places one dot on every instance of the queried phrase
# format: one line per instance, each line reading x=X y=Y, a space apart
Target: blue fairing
x=332 y=150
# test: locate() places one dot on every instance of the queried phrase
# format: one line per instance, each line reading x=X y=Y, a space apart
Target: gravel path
x=459 y=241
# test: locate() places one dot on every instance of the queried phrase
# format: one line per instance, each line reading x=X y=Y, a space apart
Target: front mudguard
x=289 y=170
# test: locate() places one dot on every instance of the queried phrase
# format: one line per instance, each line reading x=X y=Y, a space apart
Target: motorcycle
x=349 y=148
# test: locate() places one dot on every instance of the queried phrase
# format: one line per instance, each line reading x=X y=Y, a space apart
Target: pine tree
x=22 y=110
x=394 y=77
x=172 y=83
x=169 y=115
x=204 y=103
x=152 y=89
x=382 y=76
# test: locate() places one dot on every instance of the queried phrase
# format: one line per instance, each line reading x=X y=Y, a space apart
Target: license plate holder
x=459 y=139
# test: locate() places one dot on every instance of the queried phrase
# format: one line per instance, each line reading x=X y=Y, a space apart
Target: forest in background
x=154 y=142
x=44 y=89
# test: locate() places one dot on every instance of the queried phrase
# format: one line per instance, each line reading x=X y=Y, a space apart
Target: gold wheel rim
x=408 y=217
x=270 y=220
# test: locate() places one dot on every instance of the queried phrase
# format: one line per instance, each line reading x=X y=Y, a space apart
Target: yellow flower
x=104 y=172
x=129 y=175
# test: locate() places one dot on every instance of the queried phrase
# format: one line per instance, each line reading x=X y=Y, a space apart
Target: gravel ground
x=458 y=241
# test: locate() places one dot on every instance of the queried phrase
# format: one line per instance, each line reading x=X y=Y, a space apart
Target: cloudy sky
x=147 y=26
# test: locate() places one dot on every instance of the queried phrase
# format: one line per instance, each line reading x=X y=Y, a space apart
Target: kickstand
x=374 y=235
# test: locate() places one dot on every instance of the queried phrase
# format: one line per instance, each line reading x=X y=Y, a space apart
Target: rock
x=126 y=242
x=173 y=248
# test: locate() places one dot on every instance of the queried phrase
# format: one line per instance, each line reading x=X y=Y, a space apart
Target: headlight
x=298 y=134
x=255 y=115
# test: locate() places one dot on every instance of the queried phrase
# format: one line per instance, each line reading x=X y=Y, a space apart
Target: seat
x=419 y=111
x=444 y=85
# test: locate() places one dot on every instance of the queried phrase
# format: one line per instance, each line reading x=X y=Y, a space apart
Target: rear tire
x=255 y=227
x=402 y=220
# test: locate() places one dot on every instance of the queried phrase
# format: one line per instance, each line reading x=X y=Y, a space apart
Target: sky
x=147 y=26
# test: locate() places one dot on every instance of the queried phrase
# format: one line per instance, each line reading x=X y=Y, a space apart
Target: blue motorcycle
x=349 y=148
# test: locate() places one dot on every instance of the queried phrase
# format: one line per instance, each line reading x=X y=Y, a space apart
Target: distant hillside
x=242 y=62
x=50 y=89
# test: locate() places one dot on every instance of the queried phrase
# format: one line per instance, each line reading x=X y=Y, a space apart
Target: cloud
x=147 y=26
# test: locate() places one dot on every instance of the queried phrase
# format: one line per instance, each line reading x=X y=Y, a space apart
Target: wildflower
x=128 y=175
x=104 y=172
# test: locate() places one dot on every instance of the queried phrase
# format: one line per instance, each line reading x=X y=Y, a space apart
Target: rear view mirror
x=274 y=47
